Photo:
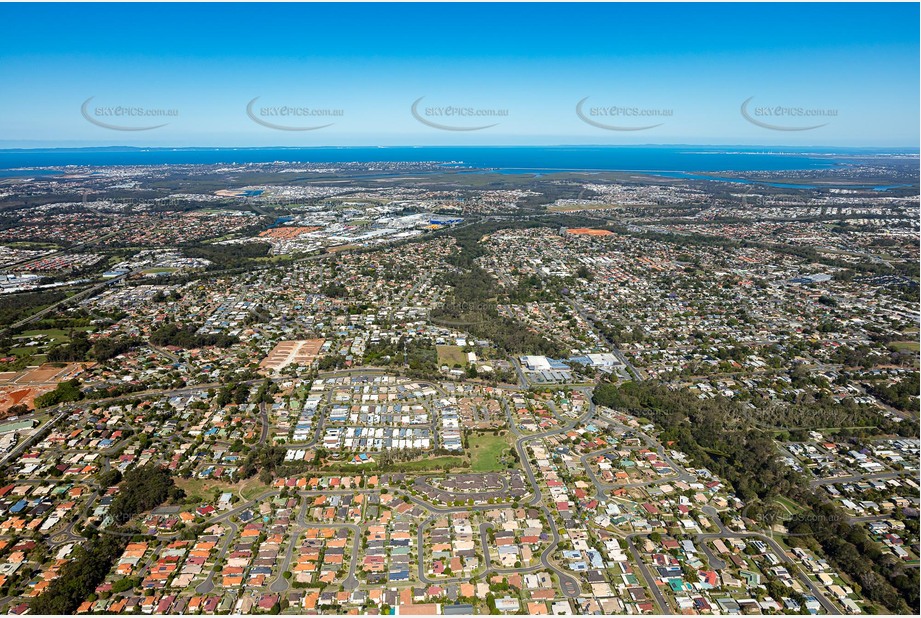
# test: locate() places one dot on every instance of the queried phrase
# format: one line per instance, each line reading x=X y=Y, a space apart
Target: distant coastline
x=678 y=158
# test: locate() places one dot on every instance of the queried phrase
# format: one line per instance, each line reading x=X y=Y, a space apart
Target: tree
x=64 y=392
x=141 y=489
x=79 y=577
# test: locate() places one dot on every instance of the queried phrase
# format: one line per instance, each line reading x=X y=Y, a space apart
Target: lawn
x=434 y=463
x=791 y=507
x=429 y=464
x=55 y=335
x=52 y=336
x=207 y=488
x=906 y=346
x=20 y=352
x=24 y=244
x=487 y=452
x=451 y=355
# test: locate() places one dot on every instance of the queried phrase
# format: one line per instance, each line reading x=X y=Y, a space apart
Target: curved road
x=280 y=584
x=726 y=533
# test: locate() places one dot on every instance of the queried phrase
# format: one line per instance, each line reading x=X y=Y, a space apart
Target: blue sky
x=692 y=65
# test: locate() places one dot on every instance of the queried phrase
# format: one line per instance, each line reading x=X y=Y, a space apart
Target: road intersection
x=569 y=584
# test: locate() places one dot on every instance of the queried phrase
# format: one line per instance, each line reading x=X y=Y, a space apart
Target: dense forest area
x=228 y=256
x=79 y=577
x=474 y=298
x=64 y=392
x=713 y=432
x=80 y=348
x=188 y=337
x=140 y=490
x=716 y=434
x=419 y=355
x=14 y=307
x=902 y=395
x=473 y=305
x=820 y=413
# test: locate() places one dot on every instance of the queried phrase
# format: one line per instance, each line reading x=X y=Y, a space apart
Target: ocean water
x=509 y=159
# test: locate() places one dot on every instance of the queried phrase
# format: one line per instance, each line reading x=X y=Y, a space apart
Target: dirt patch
x=24 y=386
x=11 y=396
x=299 y=351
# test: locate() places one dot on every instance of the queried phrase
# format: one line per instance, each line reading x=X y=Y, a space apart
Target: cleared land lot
x=451 y=355
x=24 y=386
x=299 y=351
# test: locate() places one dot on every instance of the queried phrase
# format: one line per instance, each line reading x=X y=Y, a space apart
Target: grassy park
x=487 y=452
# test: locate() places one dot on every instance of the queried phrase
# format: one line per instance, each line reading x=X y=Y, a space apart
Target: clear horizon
x=318 y=75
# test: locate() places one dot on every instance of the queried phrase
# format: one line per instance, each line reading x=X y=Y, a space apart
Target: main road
x=78 y=296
